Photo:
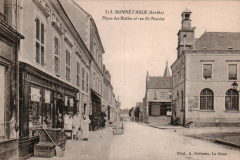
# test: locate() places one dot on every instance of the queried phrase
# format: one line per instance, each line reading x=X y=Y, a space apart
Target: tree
x=136 y=112
x=130 y=111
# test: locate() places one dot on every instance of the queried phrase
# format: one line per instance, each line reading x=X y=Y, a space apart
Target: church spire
x=166 y=72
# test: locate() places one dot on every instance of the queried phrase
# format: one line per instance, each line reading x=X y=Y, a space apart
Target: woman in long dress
x=76 y=125
x=85 y=127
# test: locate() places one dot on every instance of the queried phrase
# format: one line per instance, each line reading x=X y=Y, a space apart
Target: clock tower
x=186 y=37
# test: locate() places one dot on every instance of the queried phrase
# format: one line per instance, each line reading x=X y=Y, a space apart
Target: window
x=78 y=74
x=2 y=101
x=39 y=42
x=87 y=82
x=187 y=16
x=57 y=59
x=232 y=72
x=67 y=65
x=83 y=79
x=206 y=99
x=207 y=71
x=170 y=95
x=231 y=100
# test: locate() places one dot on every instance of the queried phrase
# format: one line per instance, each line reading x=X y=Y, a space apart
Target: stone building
x=54 y=69
x=124 y=115
x=9 y=47
x=158 y=98
x=203 y=75
x=102 y=97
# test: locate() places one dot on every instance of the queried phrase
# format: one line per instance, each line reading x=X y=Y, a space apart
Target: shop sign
x=66 y=100
x=71 y=102
x=35 y=94
x=53 y=16
x=193 y=103
x=47 y=96
x=163 y=94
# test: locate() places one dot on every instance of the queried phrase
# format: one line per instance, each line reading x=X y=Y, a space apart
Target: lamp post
x=234 y=85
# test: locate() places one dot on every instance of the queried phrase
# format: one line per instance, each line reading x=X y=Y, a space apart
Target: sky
x=133 y=47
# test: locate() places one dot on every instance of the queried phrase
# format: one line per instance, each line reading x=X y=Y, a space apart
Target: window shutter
x=42 y=33
x=37 y=29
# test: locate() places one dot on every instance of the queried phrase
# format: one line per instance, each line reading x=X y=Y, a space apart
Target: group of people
x=79 y=124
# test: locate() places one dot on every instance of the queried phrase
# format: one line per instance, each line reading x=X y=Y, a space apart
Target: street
x=143 y=142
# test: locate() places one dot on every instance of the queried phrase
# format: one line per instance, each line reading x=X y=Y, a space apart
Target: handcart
x=118 y=129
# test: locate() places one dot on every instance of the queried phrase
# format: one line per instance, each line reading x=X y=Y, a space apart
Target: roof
x=159 y=83
x=218 y=41
x=187 y=10
x=166 y=72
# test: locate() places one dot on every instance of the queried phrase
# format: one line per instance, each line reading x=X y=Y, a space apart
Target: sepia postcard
x=120 y=79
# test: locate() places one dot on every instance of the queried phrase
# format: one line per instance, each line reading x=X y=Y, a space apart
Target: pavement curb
x=226 y=143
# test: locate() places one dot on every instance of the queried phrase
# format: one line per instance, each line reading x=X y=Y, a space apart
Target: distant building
x=203 y=74
x=124 y=115
x=158 y=97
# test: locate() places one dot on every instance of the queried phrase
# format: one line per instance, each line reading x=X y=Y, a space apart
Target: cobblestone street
x=140 y=141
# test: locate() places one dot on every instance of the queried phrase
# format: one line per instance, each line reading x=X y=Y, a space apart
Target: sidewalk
x=161 y=126
x=95 y=148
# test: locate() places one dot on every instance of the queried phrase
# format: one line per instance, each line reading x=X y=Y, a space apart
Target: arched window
x=206 y=99
x=231 y=100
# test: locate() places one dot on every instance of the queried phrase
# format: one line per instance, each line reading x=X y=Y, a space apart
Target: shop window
x=206 y=99
x=57 y=59
x=68 y=65
x=2 y=101
x=231 y=100
x=47 y=109
x=35 y=112
x=207 y=71
x=40 y=42
x=232 y=72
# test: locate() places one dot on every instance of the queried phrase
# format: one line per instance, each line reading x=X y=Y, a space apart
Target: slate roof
x=218 y=41
x=159 y=83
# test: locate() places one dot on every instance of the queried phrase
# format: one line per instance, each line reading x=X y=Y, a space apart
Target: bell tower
x=186 y=33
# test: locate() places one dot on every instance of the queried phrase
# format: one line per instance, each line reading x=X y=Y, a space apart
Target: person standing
x=60 y=123
x=76 y=125
x=85 y=127
x=68 y=125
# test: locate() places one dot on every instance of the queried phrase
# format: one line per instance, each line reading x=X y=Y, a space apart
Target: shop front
x=43 y=99
x=96 y=110
x=160 y=108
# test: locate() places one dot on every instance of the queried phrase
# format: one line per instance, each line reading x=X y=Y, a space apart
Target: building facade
x=54 y=70
x=9 y=47
x=203 y=75
x=102 y=97
x=158 y=98
x=124 y=115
